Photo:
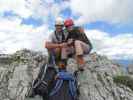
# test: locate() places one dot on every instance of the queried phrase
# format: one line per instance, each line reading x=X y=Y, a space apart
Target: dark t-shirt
x=78 y=34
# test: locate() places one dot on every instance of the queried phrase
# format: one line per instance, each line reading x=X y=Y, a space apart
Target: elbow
x=46 y=45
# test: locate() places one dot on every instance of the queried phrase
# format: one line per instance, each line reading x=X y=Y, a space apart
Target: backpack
x=63 y=75
x=39 y=86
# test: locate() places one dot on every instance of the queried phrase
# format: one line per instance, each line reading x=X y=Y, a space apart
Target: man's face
x=69 y=28
x=59 y=28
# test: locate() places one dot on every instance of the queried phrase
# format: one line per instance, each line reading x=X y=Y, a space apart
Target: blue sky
x=27 y=24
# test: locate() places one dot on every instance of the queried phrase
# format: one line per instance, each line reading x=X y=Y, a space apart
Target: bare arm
x=50 y=45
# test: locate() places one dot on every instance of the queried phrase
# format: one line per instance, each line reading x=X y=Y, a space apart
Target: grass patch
x=125 y=80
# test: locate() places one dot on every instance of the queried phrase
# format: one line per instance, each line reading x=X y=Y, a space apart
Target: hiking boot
x=62 y=64
x=81 y=67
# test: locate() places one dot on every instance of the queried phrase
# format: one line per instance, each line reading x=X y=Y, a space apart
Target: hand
x=70 y=41
x=56 y=77
x=63 y=45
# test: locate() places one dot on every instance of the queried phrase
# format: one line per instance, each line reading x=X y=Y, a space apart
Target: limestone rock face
x=96 y=82
x=17 y=72
x=130 y=69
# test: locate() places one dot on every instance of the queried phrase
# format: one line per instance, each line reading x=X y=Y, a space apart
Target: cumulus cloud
x=17 y=6
x=114 y=47
x=15 y=36
x=37 y=9
x=34 y=8
x=114 y=11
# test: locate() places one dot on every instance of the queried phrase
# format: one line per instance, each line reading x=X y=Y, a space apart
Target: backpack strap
x=64 y=75
x=63 y=37
x=73 y=89
x=57 y=87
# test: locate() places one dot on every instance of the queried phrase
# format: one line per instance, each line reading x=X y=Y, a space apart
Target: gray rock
x=96 y=82
x=130 y=69
x=17 y=72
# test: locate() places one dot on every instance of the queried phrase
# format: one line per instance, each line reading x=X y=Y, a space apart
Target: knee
x=54 y=51
x=77 y=42
x=57 y=50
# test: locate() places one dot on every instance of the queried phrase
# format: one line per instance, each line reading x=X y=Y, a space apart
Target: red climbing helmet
x=68 y=22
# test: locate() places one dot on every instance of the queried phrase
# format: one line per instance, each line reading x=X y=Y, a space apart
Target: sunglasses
x=69 y=27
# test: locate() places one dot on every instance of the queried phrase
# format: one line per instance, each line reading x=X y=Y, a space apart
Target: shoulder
x=78 y=28
x=51 y=35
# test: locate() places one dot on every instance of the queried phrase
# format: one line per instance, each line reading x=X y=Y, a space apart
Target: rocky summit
x=102 y=79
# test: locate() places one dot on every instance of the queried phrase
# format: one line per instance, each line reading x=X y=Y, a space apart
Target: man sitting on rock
x=57 y=41
x=77 y=42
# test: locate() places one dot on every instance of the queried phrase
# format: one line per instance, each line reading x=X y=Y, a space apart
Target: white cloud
x=116 y=47
x=14 y=36
x=17 y=6
x=18 y=36
x=33 y=8
x=27 y=8
x=114 y=11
